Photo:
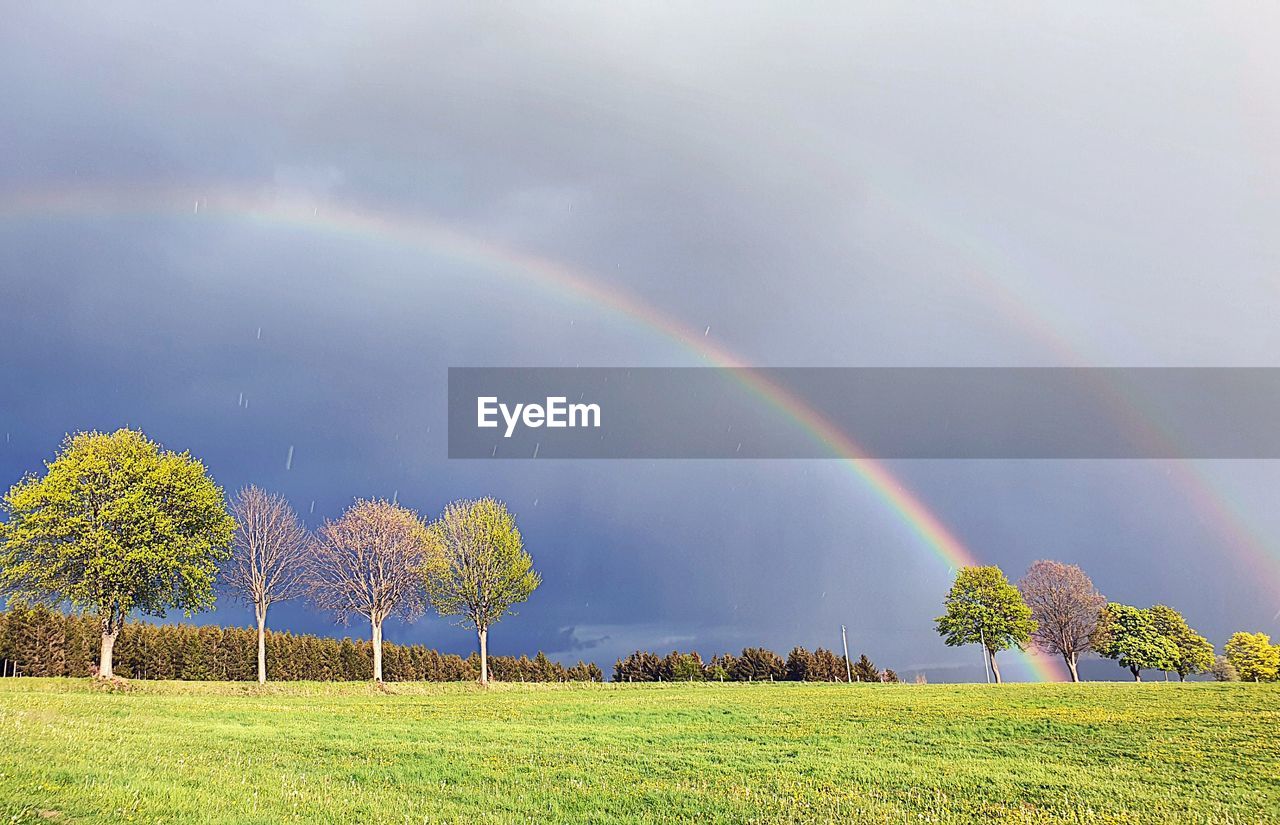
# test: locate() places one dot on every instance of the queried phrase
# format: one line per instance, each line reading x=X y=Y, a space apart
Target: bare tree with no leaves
x=268 y=554
x=1064 y=601
x=368 y=563
x=477 y=567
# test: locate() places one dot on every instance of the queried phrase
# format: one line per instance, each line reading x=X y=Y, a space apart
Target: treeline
x=754 y=664
x=39 y=641
x=1056 y=608
x=119 y=526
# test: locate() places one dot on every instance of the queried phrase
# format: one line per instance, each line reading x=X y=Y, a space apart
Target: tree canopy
x=116 y=525
x=269 y=557
x=1132 y=637
x=1193 y=653
x=1066 y=607
x=366 y=564
x=476 y=568
x=1253 y=656
x=984 y=608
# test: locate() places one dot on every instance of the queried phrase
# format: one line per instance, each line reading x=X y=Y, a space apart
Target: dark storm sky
x=891 y=185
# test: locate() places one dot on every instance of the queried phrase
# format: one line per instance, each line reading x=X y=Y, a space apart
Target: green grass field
x=217 y=752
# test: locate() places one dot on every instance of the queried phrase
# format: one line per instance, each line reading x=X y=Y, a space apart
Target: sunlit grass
x=323 y=752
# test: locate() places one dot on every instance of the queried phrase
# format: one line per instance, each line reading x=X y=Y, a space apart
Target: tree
x=758 y=664
x=865 y=671
x=1131 y=637
x=984 y=608
x=1223 y=670
x=585 y=672
x=116 y=525
x=801 y=666
x=544 y=670
x=266 y=564
x=367 y=564
x=641 y=666
x=1066 y=607
x=683 y=667
x=827 y=666
x=1194 y=653
x=477 y=568
x=721 y=667
x=1254 y=657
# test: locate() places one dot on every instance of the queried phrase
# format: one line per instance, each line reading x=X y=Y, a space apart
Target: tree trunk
x=377 y=650
x=1071 y=666
x=995 y=669
x=262 y=645
x=108 y=647
x=484 y=655
x=1137 y=674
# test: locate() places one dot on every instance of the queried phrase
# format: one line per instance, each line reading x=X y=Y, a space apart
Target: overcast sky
x=890 y=185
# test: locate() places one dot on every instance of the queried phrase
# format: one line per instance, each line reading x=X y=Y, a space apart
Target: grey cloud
x=867 y=185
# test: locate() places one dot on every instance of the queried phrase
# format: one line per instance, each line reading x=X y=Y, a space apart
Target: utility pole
x=848 y=670
x=985 y=670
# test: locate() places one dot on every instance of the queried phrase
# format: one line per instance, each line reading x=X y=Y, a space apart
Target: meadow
x=414 y=752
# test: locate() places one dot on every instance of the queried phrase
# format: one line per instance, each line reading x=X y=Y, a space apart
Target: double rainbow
x=437 y=238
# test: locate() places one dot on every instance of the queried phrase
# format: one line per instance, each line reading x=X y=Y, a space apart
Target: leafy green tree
x=1194 y=652
x=116 y=525
x=477 y=567
x=1131 y=636
x=984 y=608
x=1254 y=657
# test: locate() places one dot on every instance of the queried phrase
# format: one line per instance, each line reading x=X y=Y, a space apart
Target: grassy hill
x=306 y=752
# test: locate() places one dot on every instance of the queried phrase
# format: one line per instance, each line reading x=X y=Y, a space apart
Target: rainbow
x=991 y=277
x=990 y=270
x=437 y=238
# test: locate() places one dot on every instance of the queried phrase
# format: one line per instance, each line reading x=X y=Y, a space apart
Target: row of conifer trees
x=754 y=664
x=39 y=641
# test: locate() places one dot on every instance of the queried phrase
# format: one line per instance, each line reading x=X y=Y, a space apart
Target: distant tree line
x=40 y=641
x=754 y=664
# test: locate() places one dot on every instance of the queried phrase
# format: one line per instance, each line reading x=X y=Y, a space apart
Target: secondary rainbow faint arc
x=440 y=239
x=884 y=176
